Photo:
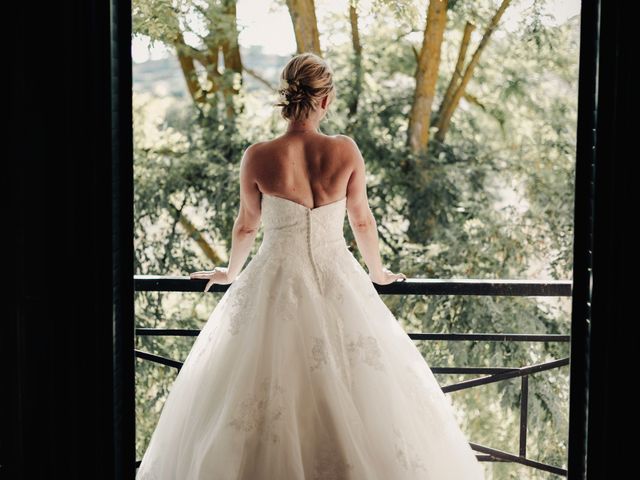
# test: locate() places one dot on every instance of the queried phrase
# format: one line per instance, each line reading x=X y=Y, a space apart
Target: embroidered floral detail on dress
x=290 y=303
x=331 y=463
x=406 y=454
x=260 y=411
x=344 y=350
x=241 y=307
x=319 y=352
x=367 y=349
x=334 y=291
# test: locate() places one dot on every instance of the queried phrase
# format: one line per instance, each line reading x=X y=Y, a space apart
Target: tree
x=357 y=58
x=305 y=25
x=426 y=77
x=459 y=82
x=165 y=21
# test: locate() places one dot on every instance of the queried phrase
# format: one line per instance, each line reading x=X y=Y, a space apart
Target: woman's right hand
x=217 y=275
x=386 y=277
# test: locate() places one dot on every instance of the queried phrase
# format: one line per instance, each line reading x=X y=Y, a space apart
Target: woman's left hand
x=217 y=275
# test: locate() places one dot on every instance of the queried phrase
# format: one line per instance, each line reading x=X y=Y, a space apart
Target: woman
x=301 y=371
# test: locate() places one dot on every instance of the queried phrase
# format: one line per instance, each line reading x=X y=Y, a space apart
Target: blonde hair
x=304 y=81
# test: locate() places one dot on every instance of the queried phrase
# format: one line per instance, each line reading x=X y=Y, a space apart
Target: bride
x=301 y=371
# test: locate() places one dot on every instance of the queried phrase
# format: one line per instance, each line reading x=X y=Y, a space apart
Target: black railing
x=417 y=286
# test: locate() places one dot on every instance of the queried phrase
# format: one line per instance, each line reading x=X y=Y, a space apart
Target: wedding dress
x=302 y=372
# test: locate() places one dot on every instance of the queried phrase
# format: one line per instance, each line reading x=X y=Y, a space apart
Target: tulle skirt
x=288 y=381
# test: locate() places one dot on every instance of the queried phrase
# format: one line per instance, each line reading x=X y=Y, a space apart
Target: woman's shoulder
x=349 y=148
x=346 y=139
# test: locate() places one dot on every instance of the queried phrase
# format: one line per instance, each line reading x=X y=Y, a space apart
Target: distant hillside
x=164 y=77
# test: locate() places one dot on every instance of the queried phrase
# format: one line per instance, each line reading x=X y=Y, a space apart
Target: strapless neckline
x=304 y=206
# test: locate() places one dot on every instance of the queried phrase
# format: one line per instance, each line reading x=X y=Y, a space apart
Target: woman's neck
x=304 y=126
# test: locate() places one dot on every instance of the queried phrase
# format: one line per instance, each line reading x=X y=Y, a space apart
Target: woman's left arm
x=245 y=226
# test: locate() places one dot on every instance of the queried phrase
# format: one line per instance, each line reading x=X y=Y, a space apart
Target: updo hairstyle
x=304 y=81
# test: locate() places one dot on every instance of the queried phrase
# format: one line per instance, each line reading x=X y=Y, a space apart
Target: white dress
x=301 y=372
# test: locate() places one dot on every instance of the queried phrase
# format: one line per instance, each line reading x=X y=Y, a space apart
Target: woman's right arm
x=363 y=223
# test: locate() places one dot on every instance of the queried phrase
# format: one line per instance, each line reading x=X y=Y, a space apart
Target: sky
x=268 y=24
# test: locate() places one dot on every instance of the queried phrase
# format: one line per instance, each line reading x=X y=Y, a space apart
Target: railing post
x=524 y=406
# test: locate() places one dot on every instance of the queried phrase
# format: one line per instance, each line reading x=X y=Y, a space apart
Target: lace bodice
x=303 y=234
x=284 y=219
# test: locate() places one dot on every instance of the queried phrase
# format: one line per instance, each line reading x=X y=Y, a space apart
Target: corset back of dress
x=294 y=228
x=308 y=240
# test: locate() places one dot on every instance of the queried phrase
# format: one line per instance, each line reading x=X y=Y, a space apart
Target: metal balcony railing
x=417 y=286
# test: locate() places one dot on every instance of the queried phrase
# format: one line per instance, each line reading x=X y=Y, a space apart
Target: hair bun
x=304 y=81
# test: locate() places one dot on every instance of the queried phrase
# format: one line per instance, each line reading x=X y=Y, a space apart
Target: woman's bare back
x=308 y=168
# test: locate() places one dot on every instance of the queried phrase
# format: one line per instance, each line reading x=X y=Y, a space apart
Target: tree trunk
x=194 y=233
x=445 y=118
x=232 y=59
x=458 y=71
x=210 y=63
x=426 y=78
x=187 y=65
x=357 y=59
x=305 y=25
x=222 y=36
